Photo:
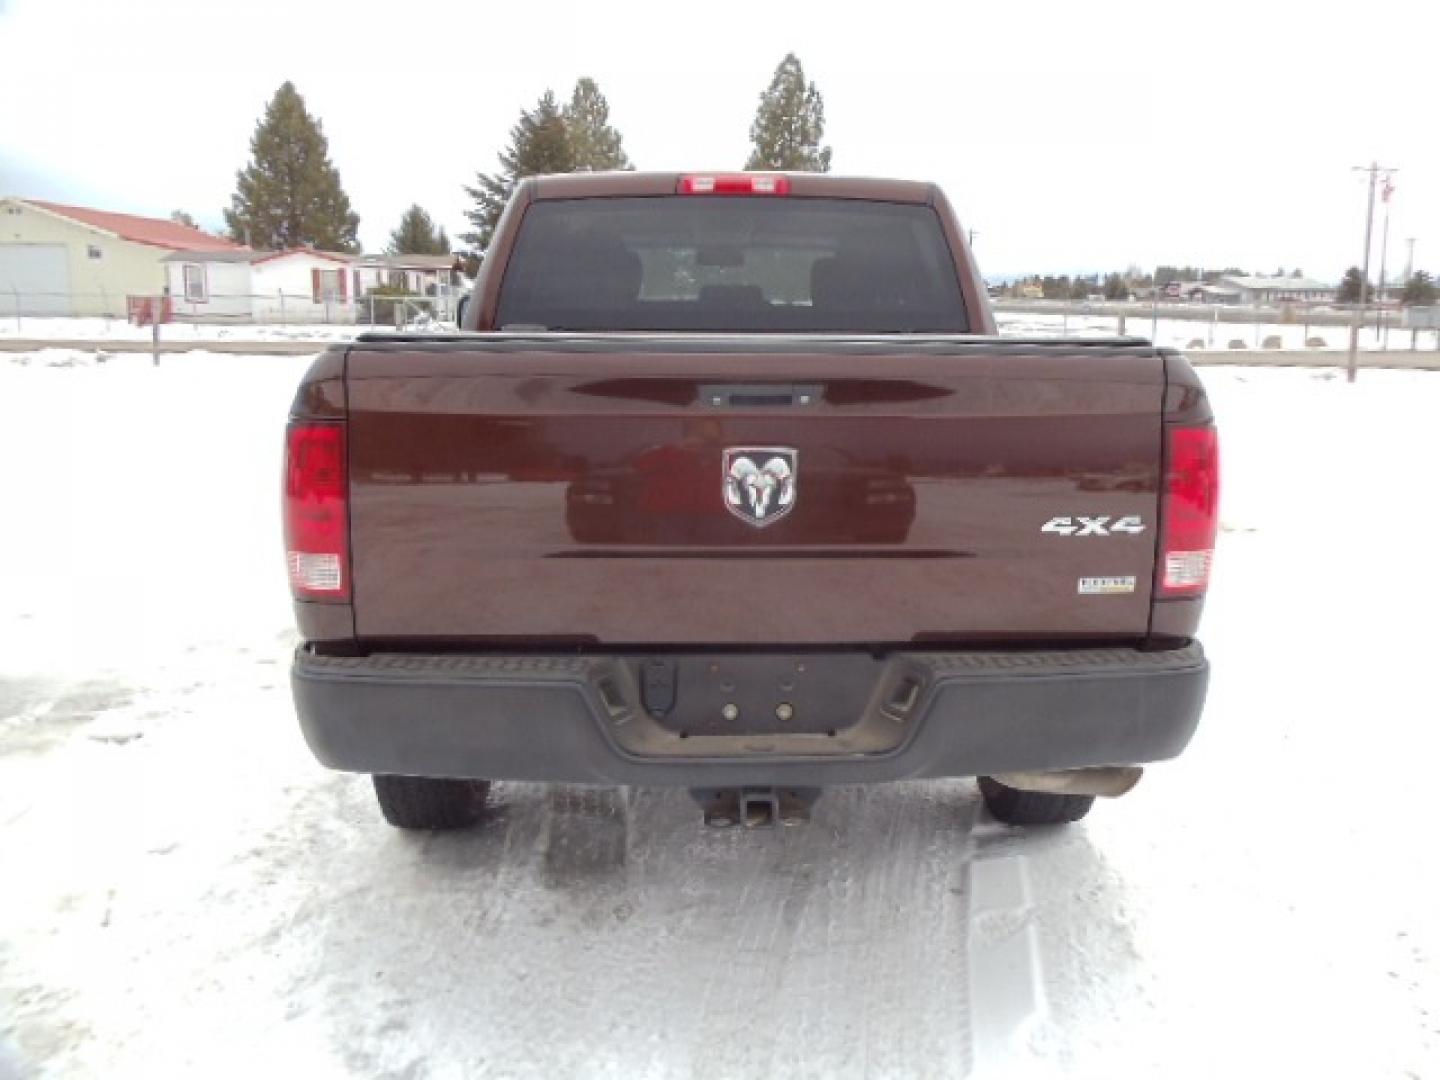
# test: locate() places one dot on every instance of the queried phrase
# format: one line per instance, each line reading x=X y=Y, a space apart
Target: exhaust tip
x=1108 y=781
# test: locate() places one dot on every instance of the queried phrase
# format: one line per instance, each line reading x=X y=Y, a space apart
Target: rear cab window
x=734 y=264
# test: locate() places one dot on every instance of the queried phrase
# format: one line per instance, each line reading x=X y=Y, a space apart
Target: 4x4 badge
x=760 y=483
x=1093 y=526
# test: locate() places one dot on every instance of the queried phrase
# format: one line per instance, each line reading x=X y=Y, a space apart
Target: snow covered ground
x=1172 y=332
x=101 y=329
x=1182 y=333
x=183 y=892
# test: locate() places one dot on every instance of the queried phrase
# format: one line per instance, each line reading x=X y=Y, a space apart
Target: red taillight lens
x=1191 y=510
x=740 y=184
x=316 y=526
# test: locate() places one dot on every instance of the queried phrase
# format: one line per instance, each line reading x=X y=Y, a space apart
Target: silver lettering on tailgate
x=1093 y=526
x=1106 y=586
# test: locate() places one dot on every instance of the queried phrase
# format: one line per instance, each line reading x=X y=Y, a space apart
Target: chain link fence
x=1193 y=325
x=378 y=308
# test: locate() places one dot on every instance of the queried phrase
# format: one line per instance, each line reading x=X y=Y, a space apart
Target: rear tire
x=425 y=802
x=1015 y=807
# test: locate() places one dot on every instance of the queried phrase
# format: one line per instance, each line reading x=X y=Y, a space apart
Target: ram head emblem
x=760 y=483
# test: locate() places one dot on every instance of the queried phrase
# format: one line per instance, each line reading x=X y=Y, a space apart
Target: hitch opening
x=755 y=807
x=759 y=807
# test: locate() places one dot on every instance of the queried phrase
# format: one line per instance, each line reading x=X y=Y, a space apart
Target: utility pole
x=1155 y=308
x=1374 y=170
x=1386 y=190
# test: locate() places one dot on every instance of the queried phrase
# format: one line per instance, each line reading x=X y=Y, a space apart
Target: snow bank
x=144 y=491
x=1179 y=333
x=1171 y=332
x=102 y=329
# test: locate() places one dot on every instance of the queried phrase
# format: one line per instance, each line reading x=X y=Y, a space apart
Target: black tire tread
x=1013 y=807
x=425 y=802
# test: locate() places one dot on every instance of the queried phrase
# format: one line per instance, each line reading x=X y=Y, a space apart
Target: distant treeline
x=1132 y=281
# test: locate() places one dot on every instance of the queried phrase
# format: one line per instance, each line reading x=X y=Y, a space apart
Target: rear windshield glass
x=723 y=263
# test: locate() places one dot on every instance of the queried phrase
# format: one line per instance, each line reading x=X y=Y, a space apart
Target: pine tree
x=1420 y=290
x=183 y=217
x=289 y=195
x=595 y=143
x=1057 y=288
x=417 y=235
x=789 y=124
x=1350 y=287
x=539 y=143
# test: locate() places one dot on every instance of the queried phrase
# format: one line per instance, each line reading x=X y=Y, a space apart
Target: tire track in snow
x=575 y=932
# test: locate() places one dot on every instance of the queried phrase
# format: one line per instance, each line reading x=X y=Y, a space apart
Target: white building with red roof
x=293 y=286
x=73 y=260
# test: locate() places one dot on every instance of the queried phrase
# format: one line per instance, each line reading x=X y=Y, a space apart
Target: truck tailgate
x=595 y=489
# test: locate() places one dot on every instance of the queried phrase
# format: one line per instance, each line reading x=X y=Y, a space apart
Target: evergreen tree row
x=1419 y=289
x=578 y=137
x=549 y=138
x=289 y=193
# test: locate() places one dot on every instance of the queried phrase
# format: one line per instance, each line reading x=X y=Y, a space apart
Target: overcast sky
x=1068 y=135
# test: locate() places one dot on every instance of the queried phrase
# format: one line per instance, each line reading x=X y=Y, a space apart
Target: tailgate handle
x=760 y=395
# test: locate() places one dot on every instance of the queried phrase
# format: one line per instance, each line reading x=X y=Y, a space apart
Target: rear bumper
x=580 y=720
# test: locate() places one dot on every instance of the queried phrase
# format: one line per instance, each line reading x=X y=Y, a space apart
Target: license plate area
x=738 y=694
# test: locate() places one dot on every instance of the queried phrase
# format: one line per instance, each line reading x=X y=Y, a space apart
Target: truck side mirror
x=460 y=306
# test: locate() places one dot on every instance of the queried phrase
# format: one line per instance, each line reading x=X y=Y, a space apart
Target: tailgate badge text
x=1093 y=526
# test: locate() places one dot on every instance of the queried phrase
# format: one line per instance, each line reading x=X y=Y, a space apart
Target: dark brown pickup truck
x=728 y=483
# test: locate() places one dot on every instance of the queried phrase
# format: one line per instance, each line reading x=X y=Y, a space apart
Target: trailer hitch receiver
x=755 y=807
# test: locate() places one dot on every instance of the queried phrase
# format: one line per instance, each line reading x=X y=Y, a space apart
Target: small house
x=432 y=280
x=300 y=285
x=423 y=275
x=1203 y=293
x=1260 y=291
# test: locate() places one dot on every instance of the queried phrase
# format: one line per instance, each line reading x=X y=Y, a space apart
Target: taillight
x=735 y=184
x=1190 y=513
x=316 y=529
